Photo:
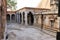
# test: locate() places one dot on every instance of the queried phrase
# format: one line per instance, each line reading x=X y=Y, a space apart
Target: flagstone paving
x=21 y=32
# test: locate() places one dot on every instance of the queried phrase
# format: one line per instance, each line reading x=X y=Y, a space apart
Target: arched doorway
x=8 y=17
x=13 y=18
x=20 y=18
x=23 y=17
x=30 y=18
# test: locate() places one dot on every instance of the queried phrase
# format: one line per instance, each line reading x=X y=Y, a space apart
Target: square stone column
x=34 y=19
x=10 y=18
x=22 y=19
x=17 y=18
x=59 y=23
x=26 y=18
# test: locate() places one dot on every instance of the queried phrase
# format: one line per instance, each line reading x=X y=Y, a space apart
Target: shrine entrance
x=30 y=18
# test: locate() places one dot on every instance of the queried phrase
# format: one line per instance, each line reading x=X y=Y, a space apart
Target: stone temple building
x=50 y=18
x=44 y=16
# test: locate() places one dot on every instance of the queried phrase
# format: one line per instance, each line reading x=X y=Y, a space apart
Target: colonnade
x=21 y=18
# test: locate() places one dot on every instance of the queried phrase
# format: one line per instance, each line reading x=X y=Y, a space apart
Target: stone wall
x=49 y=21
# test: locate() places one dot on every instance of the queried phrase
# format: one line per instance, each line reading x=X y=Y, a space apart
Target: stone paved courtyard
x=20 y=32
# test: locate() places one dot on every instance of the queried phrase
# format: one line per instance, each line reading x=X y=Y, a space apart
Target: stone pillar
x=22 y=18
x=10 y=18
x=59 y=23
x=26 y=19
x=42 y=21
x=19 y=18
x=34 y=19
x=15 y=17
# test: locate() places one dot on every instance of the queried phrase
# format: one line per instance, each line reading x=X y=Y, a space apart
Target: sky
x=27 y=3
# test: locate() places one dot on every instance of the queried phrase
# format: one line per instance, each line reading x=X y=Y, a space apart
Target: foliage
x=11 y=4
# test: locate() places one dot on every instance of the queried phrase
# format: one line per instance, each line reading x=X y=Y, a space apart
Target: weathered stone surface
x=27 y=33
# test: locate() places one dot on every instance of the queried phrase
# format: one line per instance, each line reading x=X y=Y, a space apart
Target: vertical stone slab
x=10 y=18
x=19 y=18
x=26 y=18
x=22 y=18
x=15 y=17
x=34 y=20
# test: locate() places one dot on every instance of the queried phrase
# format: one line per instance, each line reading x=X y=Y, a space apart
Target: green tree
x=11 y=4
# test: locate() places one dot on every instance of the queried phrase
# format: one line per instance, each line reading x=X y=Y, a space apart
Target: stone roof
x=11 y=11
x=33 y=8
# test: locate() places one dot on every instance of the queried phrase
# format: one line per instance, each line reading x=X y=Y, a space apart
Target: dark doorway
x=52 y=23
x=30 y=18
x=13 y=18
x=20 y=18
x=8 y=17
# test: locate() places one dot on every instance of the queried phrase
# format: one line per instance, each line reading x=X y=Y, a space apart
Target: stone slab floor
x=20 y=32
